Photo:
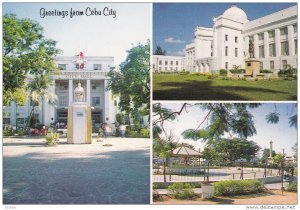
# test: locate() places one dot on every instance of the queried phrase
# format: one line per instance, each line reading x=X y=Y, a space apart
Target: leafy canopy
x=25 y=51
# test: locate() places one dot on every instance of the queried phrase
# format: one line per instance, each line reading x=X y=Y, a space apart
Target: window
x=284 y=31
x=272 y=50
x=235 y=39
x=251 y=38
x=296 y=46
x=176 y=68
x=20 y=121
x=226 y=65
x=236 y=52
x=166 y=63
x=166 y=68
x=261 y=51
x=62 y=66
x=271 y=64
x=6 y=121
x=284 y=64
x=63 y=100
x=271 y=34
x=160 y=62
x=226 y=37
x=261 y=65
x=261 y=37
x=171 y=68
x=285 y=48
x=171 y=63
x=97 y=67
x=176 y=63
x=226 y=51
x=295 y=28
x=96 y=101
x=159 y=68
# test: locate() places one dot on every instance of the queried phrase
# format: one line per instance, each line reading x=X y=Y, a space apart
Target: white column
x=266 y=44
x=70 y=92
x=256 y=50
x=107 y=96
x=291 y=40
x=88 y=91
x=246 y=47
x=277 y=43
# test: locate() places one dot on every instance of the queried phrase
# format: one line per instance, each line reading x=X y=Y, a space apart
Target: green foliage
x=25 y=50
x=265 y=71
x=120 y=118
x=184 y=72
x=277 y=159
x=293 y=186
x=145 y=133
x=159 y=51
x=21 y=132
x=223 y=72
x=266 y=154
x=231 y=150
x=8 y=132
x=225 y=118
x=132 y=82
x=52 y=139
x=181 y=191
x=238 y=187
x=237 y=71
x=273 y=117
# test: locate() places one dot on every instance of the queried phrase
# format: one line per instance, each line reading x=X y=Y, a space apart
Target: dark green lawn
x=193 y=87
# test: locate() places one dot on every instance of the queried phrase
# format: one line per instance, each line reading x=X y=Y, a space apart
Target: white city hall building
x=91 y=73
x=225 y=45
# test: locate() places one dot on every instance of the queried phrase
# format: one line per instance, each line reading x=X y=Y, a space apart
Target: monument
x=79 y=118
x=270 y=158
x=252 y=66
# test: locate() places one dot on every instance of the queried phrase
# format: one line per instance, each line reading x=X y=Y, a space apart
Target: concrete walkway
x=76 y=174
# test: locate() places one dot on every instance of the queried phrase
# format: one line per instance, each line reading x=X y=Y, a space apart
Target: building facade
x=91 y=72
x=225 y=45
x=162 y=63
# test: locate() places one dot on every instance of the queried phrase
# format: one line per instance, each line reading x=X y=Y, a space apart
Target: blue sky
x=281 y=134
x=174 y=24
x=95 y=35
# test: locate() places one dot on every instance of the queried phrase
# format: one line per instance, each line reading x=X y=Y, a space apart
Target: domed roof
x=235 y=13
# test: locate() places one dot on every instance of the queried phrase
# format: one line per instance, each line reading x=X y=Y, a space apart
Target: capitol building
x=91 y=74
x=225 y=45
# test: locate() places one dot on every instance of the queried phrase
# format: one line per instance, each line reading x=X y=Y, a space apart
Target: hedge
x=181 y=191
x=238 y=187
x=292 y=187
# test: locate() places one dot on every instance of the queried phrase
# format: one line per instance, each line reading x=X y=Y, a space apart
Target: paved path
x=76 y=174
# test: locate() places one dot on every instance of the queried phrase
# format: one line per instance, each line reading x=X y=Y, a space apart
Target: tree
x=277 y=160
x=230 y=150
x=132 y=82
x=25 y=50
x=159 y=51
x=224 y=118
x=266 y=155
x=38 y=92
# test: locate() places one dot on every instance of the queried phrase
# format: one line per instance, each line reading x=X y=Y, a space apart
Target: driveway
x=76 y=174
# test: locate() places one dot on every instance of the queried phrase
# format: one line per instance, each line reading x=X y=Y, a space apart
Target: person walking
x=122 y=129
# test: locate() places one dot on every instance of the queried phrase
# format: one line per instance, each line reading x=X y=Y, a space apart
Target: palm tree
x=38 y=92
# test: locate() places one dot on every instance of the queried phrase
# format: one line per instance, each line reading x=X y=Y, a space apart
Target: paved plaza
x=76 y=174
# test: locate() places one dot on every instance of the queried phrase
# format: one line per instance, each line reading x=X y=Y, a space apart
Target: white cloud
x=172 y=40
x=177 y=53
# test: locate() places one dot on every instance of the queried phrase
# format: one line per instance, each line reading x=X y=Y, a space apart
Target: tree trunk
x=128 y=115
x=165 y=180
x=29 y=118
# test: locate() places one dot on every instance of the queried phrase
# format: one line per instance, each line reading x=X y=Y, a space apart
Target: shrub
x=237 y=71
x=181 y=191
x=223 y=72
x=184 y=72
x=292 y=187
x=265 y=71
x=52 y=139
x=21 y=132
x=238 y=187
x=144 y=132
x=8 y=132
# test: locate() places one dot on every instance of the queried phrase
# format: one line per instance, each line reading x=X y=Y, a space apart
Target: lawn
x=194 y=87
